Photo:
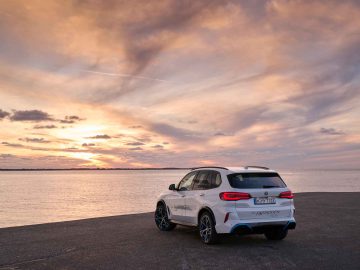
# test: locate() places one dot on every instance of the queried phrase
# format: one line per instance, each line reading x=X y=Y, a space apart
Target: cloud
x=6 y=155
x=72 y=148
x=135 y=143
x=136 y=126
x=44 y=127
x=245 y=82
x=9 y=161
x=331 y=131
x=67 y=121
x=221 y=134
x=71 y=119
x=175 y=132
x=34 y=140
x=144 y=37
x=192 y=122
x=157 y=146
x=3 y=114
x=124 y=75
x=324 y=103
x=135 y=148
x=16 y=145
x=31 y=115
x=88 y=144
x=39 y=116
x=139 y=137
x=103 y=136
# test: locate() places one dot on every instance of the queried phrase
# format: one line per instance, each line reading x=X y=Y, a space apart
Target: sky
x=170 y=83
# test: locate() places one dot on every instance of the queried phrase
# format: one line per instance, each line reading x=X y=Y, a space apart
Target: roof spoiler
x=209 y=167
x=257 y=167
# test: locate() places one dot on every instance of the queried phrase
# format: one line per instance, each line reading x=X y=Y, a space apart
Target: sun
x=81 y=155
x=80 y=132
x=88 y=158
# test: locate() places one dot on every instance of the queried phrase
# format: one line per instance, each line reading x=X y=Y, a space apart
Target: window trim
x=192 y=182
x=197 y=175
x=207 y=175
x=214 y=182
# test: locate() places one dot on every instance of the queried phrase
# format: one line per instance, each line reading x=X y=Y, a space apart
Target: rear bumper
x=244 y=227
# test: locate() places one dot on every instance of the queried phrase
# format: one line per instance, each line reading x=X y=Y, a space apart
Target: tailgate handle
x=201 y=194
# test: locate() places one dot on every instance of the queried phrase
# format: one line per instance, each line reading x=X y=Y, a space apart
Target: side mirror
x=172 y=187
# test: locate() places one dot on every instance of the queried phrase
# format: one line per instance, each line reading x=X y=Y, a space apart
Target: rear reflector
x=226 y=217
x=234 y=196
x=286 y=195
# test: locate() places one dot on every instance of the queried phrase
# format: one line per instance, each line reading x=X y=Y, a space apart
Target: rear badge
x=267 y=213
x=266 y=193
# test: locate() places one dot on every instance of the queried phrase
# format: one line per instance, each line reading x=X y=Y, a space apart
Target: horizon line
x=155 y=168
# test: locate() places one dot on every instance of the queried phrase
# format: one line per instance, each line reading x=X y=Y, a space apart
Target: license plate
x=265 y=200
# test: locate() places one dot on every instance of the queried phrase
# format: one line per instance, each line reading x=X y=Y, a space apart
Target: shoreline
x=95 y=169
x=155 y=169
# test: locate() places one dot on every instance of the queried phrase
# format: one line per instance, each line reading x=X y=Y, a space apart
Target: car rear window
x=256 y=180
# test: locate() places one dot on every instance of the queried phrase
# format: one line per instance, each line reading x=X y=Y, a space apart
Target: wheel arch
x=161 y=201
x=206 y=209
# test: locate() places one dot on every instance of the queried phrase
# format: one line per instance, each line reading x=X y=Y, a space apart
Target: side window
x=202 y=181
x=186 y=182
x=215 y=179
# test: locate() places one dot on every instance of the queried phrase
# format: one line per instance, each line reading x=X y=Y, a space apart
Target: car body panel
x=185 y=206
x=175 y=202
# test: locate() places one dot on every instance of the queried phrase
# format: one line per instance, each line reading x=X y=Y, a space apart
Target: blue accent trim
x=288 y=224
x=240 y=225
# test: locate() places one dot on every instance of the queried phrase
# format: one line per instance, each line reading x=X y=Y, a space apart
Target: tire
x=161 y=218
x=276 y=234
x=207 y=230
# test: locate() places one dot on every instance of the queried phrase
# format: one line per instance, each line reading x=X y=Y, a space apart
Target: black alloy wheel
x=207 y=230
x=161 y=218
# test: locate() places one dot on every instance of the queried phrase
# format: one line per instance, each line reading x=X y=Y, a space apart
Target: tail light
x=234 y=196
x=286 y=195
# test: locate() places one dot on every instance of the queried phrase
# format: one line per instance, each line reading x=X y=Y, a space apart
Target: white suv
x=221 y=200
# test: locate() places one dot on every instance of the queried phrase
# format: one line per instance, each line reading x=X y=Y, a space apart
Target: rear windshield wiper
x=270 y=186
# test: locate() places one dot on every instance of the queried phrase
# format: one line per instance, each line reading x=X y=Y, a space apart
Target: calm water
x=40 y=197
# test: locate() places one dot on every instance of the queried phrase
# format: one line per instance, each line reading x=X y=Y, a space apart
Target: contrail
x=123 y=75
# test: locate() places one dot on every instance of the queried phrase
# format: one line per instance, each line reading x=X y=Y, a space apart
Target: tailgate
x=264 y=204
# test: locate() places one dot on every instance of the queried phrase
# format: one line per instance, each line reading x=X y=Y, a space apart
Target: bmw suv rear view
x=221 y=200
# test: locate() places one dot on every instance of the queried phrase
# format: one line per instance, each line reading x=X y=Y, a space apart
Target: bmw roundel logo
x=266 y=193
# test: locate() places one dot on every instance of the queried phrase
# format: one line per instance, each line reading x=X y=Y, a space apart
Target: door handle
x=182 y=196
x=201 y=194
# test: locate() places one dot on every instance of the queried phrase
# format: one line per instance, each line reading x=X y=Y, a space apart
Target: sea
x=35 y=197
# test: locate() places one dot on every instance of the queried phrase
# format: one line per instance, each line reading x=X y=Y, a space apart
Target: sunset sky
x=179 y=83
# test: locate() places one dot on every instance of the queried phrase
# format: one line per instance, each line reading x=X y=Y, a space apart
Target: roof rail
x=205 y=167
x=258 y=167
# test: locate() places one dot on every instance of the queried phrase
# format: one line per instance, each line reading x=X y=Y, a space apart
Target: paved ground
x=327 y=237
